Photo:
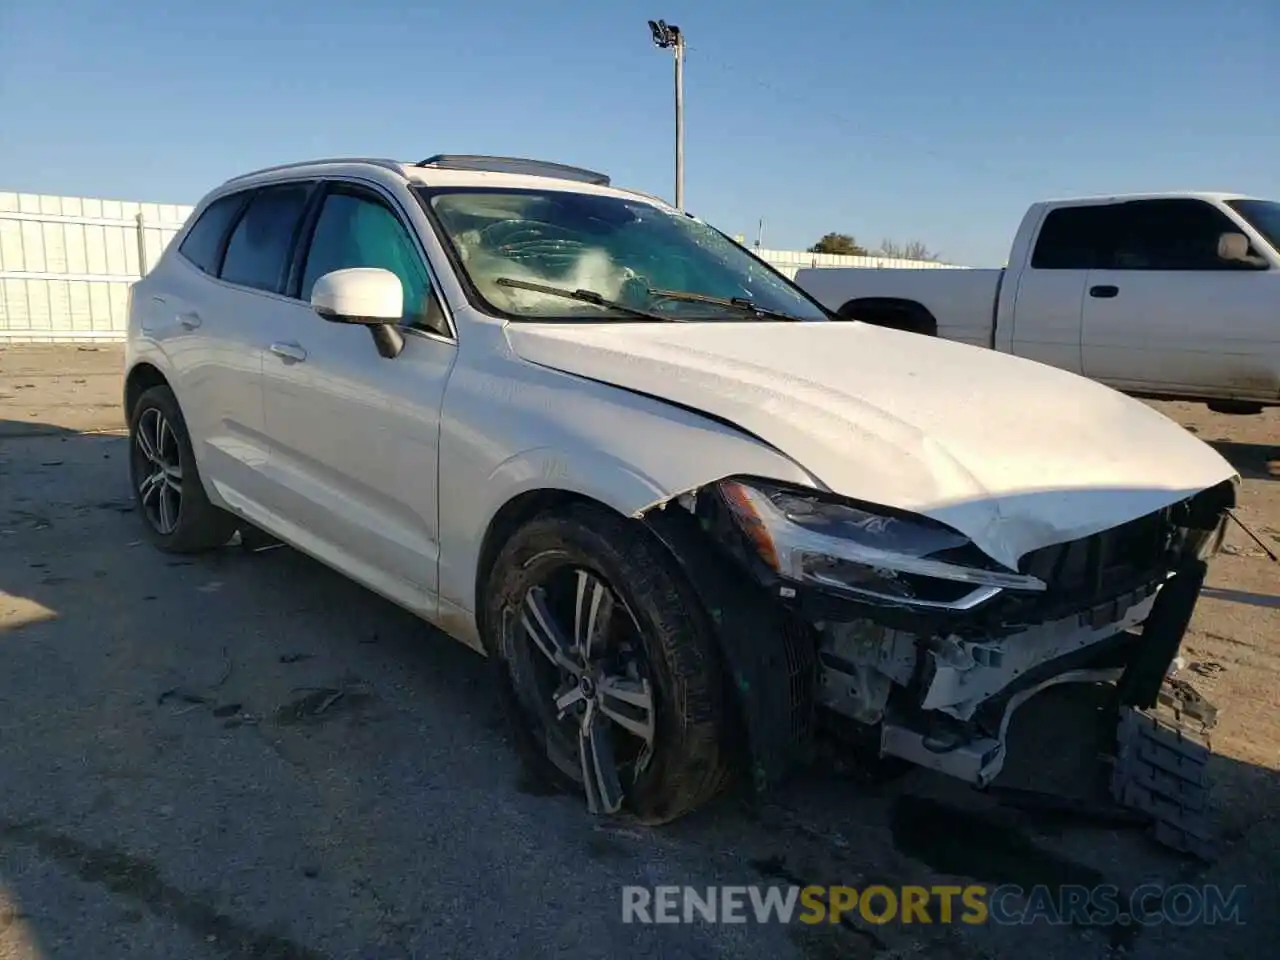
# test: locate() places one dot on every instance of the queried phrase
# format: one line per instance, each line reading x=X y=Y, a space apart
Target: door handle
x=289 y=352
x=1104 y=292
x=189 y=321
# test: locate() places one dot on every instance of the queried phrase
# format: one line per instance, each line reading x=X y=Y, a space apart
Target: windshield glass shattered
x=560 y=255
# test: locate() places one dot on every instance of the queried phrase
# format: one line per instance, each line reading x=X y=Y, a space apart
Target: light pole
x=668 y=36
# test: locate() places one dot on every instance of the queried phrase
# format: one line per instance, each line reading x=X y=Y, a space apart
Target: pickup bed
x=1166 y=296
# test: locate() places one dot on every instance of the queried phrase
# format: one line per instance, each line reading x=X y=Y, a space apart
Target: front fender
x=595 y=474
x=512 y=431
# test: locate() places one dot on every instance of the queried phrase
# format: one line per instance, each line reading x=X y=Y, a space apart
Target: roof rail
x=535 y=168
x=376 y=161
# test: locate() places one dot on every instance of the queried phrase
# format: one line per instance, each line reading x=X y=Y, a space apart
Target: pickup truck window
x=1174 y=234
x=1168 y=234
x=1072 y=238
x=1262 y=215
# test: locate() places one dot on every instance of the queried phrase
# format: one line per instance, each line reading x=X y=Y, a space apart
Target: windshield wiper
x=583 y=296
x=736 y=303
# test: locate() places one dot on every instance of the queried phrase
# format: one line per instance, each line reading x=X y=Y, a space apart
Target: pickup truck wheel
x=176 y=514
x=609 y=676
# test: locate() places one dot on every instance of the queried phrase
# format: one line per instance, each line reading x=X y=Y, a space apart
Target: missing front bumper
x=980 y=760
x=974 y=690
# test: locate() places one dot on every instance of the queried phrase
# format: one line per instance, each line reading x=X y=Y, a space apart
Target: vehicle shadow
x=1268 y=601
x=248 y=748
x=249 y=751
x=1047 y=822
x=1254 y=461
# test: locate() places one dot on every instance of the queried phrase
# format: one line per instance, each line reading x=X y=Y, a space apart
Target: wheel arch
x=510 y=517
x=769 y=666
x=536 y=480
x=896 y=313
x=141 y=378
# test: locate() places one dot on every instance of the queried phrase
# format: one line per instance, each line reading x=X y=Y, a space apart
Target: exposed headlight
x=808 y=538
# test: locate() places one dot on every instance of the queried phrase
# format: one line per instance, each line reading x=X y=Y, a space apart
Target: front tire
x=607 y=666
x=176 y=514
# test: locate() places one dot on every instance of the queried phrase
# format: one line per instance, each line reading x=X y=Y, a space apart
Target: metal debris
x=1254 y=537
x=192 y=696
x=1207 y=668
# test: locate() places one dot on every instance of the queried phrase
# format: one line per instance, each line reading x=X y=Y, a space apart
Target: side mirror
x=365 y=296
x=1235 y=248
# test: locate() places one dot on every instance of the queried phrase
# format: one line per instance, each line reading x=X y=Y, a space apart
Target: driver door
x=354 y=436
x=1167 y=314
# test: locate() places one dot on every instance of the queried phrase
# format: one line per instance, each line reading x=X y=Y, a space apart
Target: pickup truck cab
x=1166 y=296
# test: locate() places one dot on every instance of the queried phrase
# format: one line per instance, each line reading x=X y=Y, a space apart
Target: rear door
x=1165 y=314
x=353 y=435
x=233 y=312
x=205 y=312
x=1050 y=294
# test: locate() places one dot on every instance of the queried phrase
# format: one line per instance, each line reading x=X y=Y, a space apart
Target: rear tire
x=176 y=514
x=654 y=636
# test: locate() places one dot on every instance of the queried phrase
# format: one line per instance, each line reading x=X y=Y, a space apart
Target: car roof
x=452 y=171
x=1212 y=195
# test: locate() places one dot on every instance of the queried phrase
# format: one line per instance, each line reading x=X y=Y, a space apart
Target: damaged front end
x=895 y=631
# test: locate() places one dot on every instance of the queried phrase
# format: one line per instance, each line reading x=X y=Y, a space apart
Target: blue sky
x=937 y=121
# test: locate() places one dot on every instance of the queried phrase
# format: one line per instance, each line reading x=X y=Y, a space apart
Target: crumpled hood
x=1014 y=454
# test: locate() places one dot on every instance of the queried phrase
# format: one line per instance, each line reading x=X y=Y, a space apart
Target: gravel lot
x=244 y=755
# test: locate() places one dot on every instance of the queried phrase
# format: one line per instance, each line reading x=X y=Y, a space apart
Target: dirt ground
x=244 y=755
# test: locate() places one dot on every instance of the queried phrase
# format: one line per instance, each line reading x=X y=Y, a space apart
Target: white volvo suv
x=690 y=521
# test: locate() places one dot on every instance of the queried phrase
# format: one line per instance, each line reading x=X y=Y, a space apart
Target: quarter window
x=258 y=250
x=1072 y=238
x=203 y=241
x=359 y=231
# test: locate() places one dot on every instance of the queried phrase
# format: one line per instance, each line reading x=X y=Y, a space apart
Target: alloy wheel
x=593 y=679
x=158 y=470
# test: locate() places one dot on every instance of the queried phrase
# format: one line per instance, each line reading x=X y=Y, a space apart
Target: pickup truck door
x=1165 y=314
x=1049 y=298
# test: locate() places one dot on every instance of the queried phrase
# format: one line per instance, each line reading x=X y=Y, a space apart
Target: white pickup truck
x=1166 y=296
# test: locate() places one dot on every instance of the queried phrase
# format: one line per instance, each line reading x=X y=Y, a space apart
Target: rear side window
x=204 y=240
x=258 y=250
x=1073 y=238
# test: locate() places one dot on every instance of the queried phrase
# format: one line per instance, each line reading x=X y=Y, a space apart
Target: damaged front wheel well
x=769 y=664
x=769 y=657
x=514 y=514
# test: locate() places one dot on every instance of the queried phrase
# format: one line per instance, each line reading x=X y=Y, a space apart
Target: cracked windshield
x=557 y=255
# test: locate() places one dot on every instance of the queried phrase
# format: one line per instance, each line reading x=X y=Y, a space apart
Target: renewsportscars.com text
x=1009 y=904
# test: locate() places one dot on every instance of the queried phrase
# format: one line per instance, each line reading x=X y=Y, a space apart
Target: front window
x=631 y=258
x=1262 y=215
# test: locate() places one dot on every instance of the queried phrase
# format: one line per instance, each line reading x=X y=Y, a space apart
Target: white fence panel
x=789 y=262
x=66 y=263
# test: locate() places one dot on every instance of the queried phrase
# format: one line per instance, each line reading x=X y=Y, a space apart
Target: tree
x=839 y=243
x=912 y=250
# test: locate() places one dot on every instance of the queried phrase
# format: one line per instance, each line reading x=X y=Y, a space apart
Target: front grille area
x=1149 y=545
x=1081 y=570
x=1100 y=575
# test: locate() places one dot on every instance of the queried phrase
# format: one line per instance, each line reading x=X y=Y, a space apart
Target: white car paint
x=392 y=470
x=1194 y=334
x=1012 y=454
